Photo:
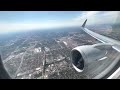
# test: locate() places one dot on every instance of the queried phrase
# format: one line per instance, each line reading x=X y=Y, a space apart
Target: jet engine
x=82 y=55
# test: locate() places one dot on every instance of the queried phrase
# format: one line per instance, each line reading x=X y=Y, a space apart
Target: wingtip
x=84 y=23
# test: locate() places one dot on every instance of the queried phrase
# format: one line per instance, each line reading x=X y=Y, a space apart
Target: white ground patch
x=18 y=74
x=65 y=43
x=37 y=50
x=47 y=49
x=38 y=68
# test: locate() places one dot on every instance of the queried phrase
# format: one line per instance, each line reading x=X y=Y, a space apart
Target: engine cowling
x=82 y=55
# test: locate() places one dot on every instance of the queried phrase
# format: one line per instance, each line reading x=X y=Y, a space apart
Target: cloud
x=94 y=17
x=97 y=17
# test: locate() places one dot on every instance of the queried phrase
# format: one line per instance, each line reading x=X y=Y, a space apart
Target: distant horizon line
x=42 y=29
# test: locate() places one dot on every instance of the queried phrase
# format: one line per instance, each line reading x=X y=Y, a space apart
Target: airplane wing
x=115 y=44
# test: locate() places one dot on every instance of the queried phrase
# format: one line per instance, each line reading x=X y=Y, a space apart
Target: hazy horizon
x=17 y=21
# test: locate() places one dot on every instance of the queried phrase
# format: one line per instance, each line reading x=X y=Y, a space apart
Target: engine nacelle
x=82 y=55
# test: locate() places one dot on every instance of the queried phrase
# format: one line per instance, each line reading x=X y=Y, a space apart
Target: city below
x=45 y=54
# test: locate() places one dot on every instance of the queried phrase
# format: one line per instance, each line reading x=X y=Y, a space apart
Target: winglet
x=84 y=23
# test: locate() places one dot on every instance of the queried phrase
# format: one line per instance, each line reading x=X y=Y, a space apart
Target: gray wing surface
x=115 y=44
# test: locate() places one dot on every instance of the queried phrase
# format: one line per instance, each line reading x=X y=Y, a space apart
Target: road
x=22 y=59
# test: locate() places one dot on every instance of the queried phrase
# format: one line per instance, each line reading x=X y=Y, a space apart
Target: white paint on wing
x=102 y=58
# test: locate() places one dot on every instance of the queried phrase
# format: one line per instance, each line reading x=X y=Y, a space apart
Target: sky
x=12 y=21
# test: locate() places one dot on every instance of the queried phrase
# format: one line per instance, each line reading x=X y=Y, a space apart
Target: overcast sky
x=11 y=21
